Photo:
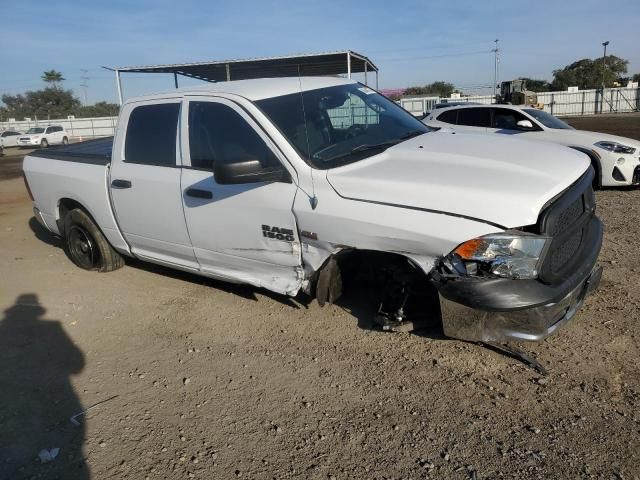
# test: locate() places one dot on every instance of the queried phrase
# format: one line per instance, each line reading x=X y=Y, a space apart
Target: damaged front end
x=523 y=285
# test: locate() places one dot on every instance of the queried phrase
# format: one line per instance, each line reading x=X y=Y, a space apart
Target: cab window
x=450 y=116
x=151 y=135
x=474 y=117
x=217 y=133
x=507 y=119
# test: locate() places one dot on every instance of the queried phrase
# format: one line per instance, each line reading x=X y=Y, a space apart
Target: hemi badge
x=311 y=235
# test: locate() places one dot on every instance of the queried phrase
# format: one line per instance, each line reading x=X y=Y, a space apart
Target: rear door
x=145 y=183
x=242 y=232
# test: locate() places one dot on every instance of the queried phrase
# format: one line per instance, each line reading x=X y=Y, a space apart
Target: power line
x=445 y=55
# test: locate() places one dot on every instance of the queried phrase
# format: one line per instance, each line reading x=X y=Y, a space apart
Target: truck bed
x=97 y=152
x=74 y=174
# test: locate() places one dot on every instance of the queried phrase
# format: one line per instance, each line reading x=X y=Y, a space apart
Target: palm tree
x=53 y=77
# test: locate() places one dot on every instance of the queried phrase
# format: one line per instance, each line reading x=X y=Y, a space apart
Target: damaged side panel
x=336 y=228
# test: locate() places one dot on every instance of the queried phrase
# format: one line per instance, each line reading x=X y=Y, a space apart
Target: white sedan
x=616 y=160
x=10 y=138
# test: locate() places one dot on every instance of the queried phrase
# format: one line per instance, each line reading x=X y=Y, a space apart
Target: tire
x=86 y=246
x=44 y=143
x=65 y=141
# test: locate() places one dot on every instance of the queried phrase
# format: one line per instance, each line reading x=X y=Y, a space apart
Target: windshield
x=35 y=130
x=547 y=119
x=337 y=125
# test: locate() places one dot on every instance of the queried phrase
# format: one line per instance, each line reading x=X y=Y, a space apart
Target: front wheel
x=86 y=246
x=44 y=143
x=65 y=141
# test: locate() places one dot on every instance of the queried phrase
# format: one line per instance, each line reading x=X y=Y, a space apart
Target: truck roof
x=255 y=89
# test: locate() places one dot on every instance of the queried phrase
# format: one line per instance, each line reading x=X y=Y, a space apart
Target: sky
x=412 y=42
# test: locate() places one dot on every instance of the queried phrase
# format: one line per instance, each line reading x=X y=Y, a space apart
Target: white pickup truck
x=309 y=184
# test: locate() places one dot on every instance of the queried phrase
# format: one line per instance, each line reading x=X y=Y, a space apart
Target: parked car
x=44 y=136
x=238 y=181
x=616 y=160
x=440 y=105
x=10 y=138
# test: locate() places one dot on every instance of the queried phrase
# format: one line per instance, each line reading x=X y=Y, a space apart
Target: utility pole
x=604 y=62
x=495 y=68
x=85 y=84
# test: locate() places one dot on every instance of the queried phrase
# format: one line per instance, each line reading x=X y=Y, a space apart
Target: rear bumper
x=499 y=310
x=38 y=216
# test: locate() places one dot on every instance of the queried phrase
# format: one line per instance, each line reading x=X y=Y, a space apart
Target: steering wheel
x=355 y=131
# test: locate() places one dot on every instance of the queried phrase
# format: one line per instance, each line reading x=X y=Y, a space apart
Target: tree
x=52 y=77
x=636 y=77
x=536 y=85
x=50 y=102
x=100 y=109
x=587 y=73
x=440 y=88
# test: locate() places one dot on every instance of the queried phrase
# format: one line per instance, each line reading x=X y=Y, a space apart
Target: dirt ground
x=200 y=379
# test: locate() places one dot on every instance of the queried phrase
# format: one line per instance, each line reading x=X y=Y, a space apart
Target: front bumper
x=529 y=324
x=500 y=309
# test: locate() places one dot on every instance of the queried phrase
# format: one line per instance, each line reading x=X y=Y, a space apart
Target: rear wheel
x=44 y=143
x=86 y=246
x=65 y=141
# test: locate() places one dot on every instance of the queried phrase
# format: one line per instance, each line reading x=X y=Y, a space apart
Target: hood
x=586 y=138
x=503 y=181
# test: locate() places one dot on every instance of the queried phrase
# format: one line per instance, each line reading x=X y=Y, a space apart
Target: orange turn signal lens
x=468 y=249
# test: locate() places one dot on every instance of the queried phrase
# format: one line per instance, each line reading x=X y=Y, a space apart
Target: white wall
x=84 y=128
x=582 y=102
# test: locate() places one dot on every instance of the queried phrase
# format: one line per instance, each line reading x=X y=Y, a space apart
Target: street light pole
x=604 y=62
x=495 y=69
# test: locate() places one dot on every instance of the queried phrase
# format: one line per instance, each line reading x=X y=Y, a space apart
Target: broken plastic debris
x=74 y=419
x=47 y=456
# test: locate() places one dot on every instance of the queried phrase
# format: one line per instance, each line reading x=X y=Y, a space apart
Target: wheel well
x=595 y=163
x=375 y=271
x=65 y=205
x=383 y=290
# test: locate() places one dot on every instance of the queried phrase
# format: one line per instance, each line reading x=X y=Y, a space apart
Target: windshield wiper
x=376 y=146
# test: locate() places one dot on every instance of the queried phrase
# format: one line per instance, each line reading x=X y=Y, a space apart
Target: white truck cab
x=294 y=184
x=44 y=136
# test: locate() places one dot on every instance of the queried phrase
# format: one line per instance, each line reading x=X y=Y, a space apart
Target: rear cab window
x=151 y=134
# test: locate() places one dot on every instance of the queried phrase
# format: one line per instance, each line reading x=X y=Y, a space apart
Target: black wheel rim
x=82 y=247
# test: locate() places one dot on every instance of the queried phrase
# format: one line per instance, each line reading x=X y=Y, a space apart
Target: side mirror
x=524 y=124
x=249 y=171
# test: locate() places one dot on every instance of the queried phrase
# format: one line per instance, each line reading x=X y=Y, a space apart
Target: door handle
x=118 y=183
x=196 y=192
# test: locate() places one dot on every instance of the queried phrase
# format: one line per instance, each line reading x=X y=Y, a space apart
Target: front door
x=145 y=183
x=243 y=232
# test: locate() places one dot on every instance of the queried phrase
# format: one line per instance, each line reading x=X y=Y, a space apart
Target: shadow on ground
x=37 y=398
